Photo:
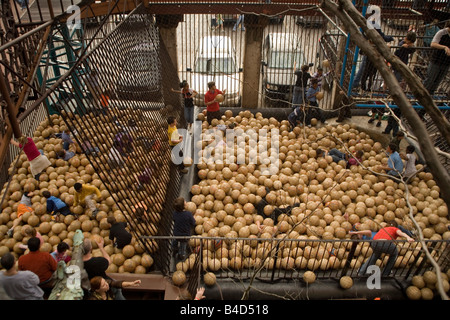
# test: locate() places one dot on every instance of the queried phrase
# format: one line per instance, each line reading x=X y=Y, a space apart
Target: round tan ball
x=128 y=251
x=346 y=282
x=146 y=260
x=427 y=293
x=418 y=282
x=430 y=277
x=309 y=277
x=178 y=278
x=209 y=279
x=413 y=293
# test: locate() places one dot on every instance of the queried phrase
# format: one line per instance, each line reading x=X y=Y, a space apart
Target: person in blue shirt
x=429 y=32
x=311 y=96
x=362 y=234
x=56 y=205
x=395 y=163
x=23 y=3
x=312 y=92
x=65 y=155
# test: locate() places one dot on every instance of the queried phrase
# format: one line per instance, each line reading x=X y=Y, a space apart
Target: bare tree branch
x=440 y=174
x=415 y=84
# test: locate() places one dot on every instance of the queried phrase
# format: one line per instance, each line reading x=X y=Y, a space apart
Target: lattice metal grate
x=113 y=101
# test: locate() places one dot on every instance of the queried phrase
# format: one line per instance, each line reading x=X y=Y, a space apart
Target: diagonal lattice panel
x=128 y=136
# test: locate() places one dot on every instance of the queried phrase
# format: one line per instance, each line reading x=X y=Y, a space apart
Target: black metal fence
x=273 y=259
x=112 y=102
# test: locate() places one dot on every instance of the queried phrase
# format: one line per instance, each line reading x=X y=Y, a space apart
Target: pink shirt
x=353 y=162
x=30 y=149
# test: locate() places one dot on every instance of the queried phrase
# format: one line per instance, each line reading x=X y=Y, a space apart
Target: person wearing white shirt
x=410 y=165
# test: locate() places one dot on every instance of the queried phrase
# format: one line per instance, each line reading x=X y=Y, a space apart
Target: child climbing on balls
x=67 y=140
x=56 y=206
x=38 y=160
x=410 y=165
x=118 y=233
x=84 y=195
x=65 y=155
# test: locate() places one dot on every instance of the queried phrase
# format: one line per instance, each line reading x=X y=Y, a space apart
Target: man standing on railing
x=385 y=244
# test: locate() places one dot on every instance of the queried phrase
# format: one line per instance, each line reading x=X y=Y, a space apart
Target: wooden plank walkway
x=149 y=283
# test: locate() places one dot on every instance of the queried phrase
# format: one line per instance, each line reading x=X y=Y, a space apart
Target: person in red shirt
x=385 y=244
x=39 y=262
x=212 y=106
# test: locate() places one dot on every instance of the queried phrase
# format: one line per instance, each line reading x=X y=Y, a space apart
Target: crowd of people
x=438 y=42
x=32 y=275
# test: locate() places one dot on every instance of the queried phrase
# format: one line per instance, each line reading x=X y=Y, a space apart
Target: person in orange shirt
x=104 y=102
x=385 y=243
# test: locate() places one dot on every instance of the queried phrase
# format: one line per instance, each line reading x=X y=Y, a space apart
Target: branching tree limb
x=440 y=174
x=415 y=84
x=421 y=238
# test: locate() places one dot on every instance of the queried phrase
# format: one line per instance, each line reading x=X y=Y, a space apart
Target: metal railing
x=273 y=259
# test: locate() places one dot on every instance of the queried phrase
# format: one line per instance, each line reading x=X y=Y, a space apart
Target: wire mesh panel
x=286 y=49
x=113 y=103
x=211 y=49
